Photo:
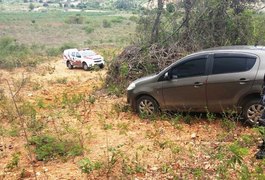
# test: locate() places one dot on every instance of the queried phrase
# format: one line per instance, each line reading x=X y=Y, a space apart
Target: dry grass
x=118 y=143
x=51 y=30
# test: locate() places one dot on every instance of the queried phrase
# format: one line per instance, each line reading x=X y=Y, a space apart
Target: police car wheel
x=85 y=67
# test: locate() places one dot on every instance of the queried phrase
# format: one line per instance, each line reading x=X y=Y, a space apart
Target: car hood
x=94 y=57
x=145 y=79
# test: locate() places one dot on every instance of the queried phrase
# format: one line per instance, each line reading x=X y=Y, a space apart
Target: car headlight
x=131 y=86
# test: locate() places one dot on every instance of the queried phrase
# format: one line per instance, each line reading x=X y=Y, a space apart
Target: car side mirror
x=168 y=76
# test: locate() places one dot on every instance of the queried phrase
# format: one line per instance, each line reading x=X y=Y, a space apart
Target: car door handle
x=243 y=81
x=198 y=84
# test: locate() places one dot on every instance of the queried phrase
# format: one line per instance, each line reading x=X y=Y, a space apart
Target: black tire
x=252 y=111
x=101 y=66
x=85 y=66
x=69 y=65
x=147 y=106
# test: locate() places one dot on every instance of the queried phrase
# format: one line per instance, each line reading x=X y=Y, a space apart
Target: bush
x=53 y=51
x=59 y=51
x=77 y=19
x=133 y=18
x=106 y=23
x=125 y=4
x=88 y=166
x=67 y=46
x=89 y=30
x=118 y=19
x=31 y=6
x=48 y=147
x=170 y=7
x=13 y=54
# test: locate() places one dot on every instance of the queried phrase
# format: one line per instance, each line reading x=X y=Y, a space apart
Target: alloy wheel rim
x=147 y=107
x=254 y=112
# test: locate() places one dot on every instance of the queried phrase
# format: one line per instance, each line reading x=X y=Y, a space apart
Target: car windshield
x=87 y=53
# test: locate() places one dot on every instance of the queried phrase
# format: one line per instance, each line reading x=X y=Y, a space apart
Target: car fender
x=89 y=62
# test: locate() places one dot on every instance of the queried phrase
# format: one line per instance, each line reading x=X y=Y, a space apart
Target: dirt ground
x=175 y=147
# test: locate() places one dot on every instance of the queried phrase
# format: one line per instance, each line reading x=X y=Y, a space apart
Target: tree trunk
x=154 y=35
x=187 y=7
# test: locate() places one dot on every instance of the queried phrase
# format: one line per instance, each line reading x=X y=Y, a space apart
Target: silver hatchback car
x=214 y=80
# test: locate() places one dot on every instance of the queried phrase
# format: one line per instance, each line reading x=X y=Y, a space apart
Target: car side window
x=232 y=64
x=194 y=67
x=73 y=54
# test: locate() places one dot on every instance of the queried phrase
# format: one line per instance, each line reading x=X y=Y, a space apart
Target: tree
x=164 y=37
x=125 y=4
x=205 y=23
x=170 y=7
x=154 y=33
x=31 y=6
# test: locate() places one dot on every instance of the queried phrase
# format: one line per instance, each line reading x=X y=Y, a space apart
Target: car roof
x=233 y=49
x=236 y=49
x=71 y=50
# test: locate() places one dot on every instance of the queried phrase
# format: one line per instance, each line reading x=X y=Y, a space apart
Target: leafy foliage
x=13 y=54
x=87 y=166
x=48 y=147
x=124 y=4
x=77 y=19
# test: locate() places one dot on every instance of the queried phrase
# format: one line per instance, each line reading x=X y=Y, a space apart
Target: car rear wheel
x=101 y=66
x=252 y=111
x=147 y=106
x=85 y=67
x=69 y=65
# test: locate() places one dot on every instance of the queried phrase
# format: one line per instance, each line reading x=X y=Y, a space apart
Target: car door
x=186 y=89
x=231 y=76
x=77 y=59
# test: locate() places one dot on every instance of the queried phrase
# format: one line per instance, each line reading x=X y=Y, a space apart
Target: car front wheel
x=252 y=111
x=147 y=106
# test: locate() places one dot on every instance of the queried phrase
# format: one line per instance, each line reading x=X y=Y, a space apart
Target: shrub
x=124 y=4
x=118 y=19
x=14 y=161
x=89 y=30
x=66 y=46
x=48 y=147
x=106 y=23
x=170 y=7
x=58 y=51
x=77 y=19
x=88 y=166
x=31 y=6
x=13 y=54
x=133 y=18
x=53 y=51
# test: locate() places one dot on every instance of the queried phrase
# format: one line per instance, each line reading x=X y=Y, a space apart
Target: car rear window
x=232 y=64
